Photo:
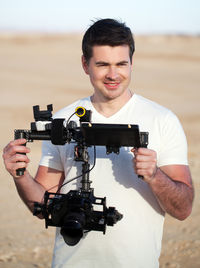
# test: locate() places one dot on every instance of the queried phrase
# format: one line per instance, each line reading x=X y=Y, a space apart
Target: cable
x=89 y=170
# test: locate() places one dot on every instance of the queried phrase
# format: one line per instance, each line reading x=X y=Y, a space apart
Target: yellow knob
x=80 y=111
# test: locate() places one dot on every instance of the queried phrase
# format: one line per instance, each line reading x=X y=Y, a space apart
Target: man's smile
x=111 y=85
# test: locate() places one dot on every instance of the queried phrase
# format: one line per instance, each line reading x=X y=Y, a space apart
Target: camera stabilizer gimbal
x=74 y=212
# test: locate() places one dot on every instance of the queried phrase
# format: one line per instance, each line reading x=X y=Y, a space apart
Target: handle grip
x=144 y=137
x=20 y=134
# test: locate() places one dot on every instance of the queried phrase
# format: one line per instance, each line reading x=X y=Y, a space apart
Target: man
x=166 y=187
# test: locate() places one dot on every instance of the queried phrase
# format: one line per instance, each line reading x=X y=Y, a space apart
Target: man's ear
x=84 y=64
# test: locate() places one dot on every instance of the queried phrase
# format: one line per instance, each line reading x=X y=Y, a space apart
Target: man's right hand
x=13 y=157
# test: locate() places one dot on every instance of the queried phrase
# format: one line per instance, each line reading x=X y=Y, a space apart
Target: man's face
x=109 y=70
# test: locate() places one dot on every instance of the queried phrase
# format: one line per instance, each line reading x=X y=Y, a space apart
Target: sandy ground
x=46 y=69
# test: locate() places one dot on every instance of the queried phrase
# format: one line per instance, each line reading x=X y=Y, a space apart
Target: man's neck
x=108 y=108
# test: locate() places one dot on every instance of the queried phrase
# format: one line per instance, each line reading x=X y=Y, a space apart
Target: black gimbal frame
x=74 y=211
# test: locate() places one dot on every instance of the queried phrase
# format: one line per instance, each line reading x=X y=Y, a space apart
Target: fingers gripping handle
x=20 y=134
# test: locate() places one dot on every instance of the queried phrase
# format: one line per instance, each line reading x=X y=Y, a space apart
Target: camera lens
x=72 y=230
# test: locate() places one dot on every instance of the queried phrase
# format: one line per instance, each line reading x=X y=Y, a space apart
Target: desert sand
x=44 y=69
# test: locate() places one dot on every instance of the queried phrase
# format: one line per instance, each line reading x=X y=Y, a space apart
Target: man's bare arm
x=30 y=190
x=172 y=184
x=175 y=197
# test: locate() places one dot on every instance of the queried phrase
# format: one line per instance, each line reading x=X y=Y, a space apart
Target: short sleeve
x=51 y=156
x=173 y=150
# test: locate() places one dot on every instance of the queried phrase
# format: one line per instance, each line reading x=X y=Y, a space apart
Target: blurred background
x=40 y=51
x=144 y=17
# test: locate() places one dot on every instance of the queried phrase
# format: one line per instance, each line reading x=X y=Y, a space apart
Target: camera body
x=74 y=213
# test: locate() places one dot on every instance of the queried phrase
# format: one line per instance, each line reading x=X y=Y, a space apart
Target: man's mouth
x=111 y=85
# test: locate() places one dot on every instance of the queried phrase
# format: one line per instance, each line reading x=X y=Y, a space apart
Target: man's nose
x=112 y=73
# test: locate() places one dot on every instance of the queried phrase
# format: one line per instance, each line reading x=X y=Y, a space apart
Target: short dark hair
x=107 y=32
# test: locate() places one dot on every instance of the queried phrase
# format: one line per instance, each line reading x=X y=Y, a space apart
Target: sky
x=142 y=16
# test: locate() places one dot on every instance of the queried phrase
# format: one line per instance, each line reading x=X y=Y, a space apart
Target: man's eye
x=122 y=64
x=102 y=64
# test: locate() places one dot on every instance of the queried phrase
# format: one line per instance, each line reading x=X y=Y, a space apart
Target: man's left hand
x=145 y=163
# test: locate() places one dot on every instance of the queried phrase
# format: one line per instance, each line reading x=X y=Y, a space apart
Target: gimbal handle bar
x=49 y=134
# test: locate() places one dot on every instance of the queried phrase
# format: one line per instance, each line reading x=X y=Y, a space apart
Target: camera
x=74 y=212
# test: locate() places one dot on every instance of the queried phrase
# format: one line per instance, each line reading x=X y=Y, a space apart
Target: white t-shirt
x=134 y=241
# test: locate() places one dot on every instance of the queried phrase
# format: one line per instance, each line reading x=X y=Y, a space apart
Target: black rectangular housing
x=114 y=135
